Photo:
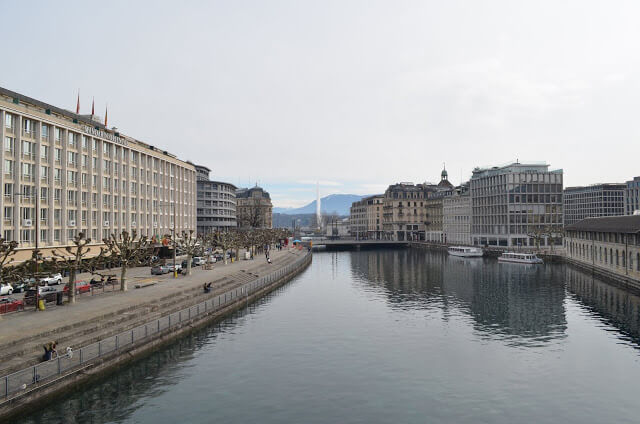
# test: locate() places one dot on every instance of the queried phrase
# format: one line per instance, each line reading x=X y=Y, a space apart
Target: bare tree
x=537 y=233
x=190 y=244
x=8 y=272
x=72 y=261
x=129 y=249
x=226 y=240
x=553 y=233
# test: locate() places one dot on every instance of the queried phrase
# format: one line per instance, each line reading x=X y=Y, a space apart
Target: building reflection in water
x=521 y=303
x=614 y=306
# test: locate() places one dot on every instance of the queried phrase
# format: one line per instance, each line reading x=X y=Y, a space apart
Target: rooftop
x=609 y=224
x=88 y=120
x=533 y=167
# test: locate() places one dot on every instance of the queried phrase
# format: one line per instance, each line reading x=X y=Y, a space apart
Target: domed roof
x=444 y=179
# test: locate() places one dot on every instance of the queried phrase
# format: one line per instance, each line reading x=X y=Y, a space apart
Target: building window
x=8 y=120
x=8 y=167
x=27 y=126
x=9 y=144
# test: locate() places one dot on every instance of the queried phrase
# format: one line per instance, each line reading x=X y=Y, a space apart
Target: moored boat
x=465 y=251
x=521 y=258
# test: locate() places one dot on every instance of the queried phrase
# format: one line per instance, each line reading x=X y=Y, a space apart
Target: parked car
x=21 y=286
x=10 y=304
x=160 y=269
x=177 y=266
x=46 y=293
x=52 y=280
x=81 y=287
x=198 y=260
x=6 y=288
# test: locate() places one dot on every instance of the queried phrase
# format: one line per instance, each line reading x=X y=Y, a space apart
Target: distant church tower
x=444 y=179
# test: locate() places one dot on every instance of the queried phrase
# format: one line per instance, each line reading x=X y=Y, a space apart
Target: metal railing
x=21 y=380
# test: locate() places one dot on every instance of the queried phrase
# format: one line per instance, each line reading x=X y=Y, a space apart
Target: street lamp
x=175 y=245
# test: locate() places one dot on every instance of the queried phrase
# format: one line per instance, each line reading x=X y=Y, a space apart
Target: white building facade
x=516 y=205
x=457 y=219
x=70 y=173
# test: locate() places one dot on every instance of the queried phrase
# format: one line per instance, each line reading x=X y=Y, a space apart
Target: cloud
x=323 y=183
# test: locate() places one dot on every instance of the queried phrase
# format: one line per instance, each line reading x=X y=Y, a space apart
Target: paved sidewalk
x=16 y=326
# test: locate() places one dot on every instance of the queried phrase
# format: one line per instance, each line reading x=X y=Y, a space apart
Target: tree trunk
x=72 y=286
x=123 y=277
x=188 y=265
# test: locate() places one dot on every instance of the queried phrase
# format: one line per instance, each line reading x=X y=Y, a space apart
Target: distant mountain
x=338 y=203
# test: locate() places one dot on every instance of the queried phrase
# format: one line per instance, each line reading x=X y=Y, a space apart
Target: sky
x=354 y=94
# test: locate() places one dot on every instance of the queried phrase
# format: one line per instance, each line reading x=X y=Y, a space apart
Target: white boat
x=521 y=258
x=465 y=251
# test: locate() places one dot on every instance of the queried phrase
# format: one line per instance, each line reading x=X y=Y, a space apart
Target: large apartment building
x=632 y=196
x=365 y=218
x=216 y=203
x=456 y=210
x=414 y=211
x=254 y=208
x=64 y=173
x=516 y=205
x=592 y=202
x=404 y=215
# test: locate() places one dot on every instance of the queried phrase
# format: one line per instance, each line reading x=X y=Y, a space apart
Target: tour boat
x=521 y=258
x=465 y=251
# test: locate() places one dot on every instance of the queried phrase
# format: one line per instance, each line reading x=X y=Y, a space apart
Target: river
x=393 y=336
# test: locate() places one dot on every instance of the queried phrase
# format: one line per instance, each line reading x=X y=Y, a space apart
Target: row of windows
x=107 y=148
x=604 y=256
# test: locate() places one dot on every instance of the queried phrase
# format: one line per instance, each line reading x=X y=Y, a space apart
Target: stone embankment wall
x=39 y=394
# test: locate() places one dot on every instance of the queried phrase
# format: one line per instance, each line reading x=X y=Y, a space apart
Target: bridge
x=356 y=244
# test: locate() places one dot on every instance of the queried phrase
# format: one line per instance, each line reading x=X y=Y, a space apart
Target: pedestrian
x=53 y=349
x=47 y=351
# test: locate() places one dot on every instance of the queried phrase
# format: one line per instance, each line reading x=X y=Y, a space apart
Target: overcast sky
x=355 y=94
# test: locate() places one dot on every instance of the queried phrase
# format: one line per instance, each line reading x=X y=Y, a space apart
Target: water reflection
x=116 y=396
x=523 y=301
x=614 y=306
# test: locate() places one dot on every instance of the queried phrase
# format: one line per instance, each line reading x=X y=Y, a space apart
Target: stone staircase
x=27 y=351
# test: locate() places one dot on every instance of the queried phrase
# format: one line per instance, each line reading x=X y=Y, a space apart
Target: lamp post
x=175 y=245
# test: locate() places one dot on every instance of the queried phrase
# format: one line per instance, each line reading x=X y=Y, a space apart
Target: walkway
x=75 y=325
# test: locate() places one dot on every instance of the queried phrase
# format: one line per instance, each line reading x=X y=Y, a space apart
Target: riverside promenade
x=93 y=318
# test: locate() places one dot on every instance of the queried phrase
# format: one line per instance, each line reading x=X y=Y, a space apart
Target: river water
x=393 y=336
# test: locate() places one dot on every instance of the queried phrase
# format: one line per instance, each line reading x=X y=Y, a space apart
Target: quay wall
x=39 y=394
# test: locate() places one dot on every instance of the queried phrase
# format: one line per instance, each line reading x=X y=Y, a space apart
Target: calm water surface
x=393 y=336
